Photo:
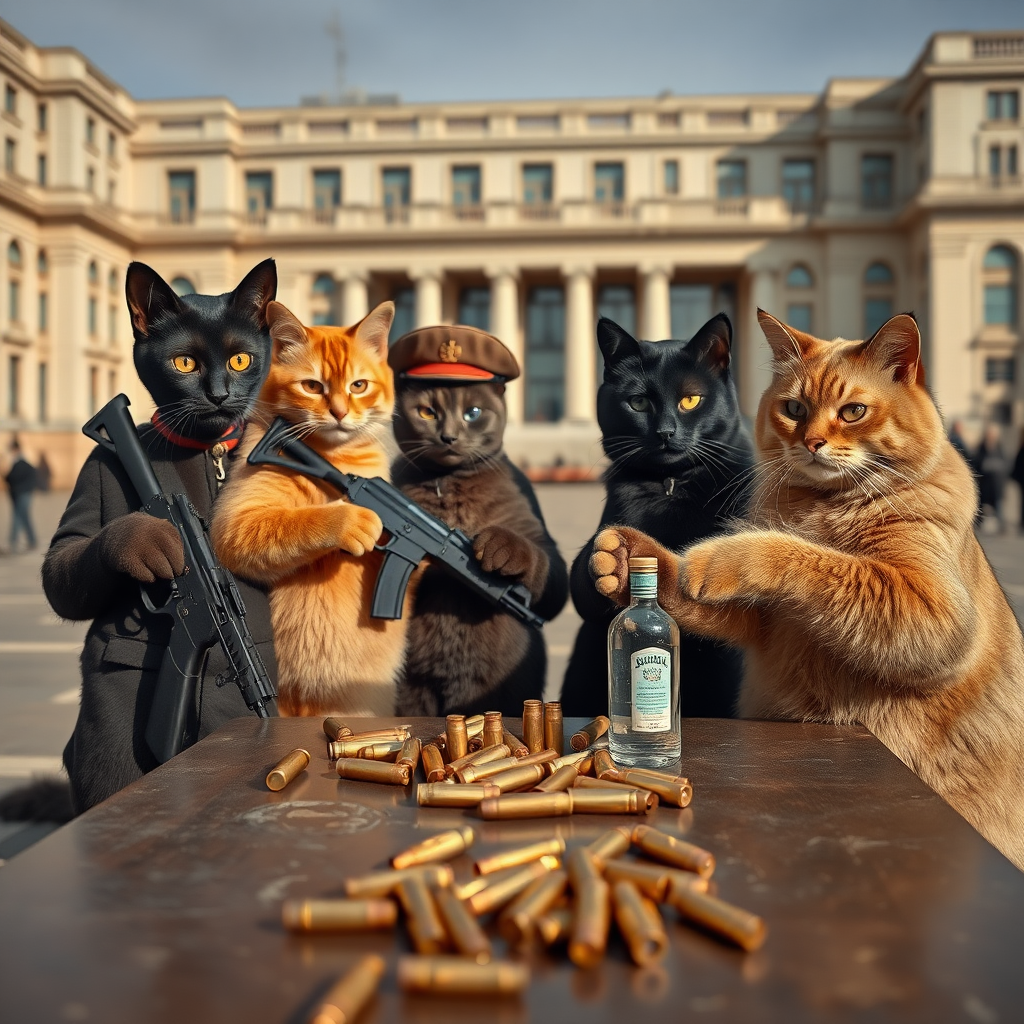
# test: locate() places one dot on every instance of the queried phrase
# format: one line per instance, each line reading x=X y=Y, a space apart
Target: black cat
x=681 y=462
x=203 y=359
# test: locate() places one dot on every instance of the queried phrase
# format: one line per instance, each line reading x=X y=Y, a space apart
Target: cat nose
x=666 y=435
x=218 y=399
x=449 y=438
x=814 y=443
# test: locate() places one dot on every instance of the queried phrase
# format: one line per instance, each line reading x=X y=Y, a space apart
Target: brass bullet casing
x=524 y=777
x=582 y=759
x=426 y=929
x=504 y=887
x=291 y=765
x=654 y=880
x=590 y=732
x=458 y=738
x=346 y=999
x=492 y=728
x=350 y=746
x=609 y=845
x=553 y=735
x=485 y=755
x=338 y=915
x=520 y=855
x=640 y=923
x=442 y=846
x=585 y=782
x=360 y=769
x=603 y=763
x=409 y=755
x=591 y=921
x=464 y=933
x=474 y=726
x=454 y=975
x=383 y=883
x=526 y=805
x=480 y=882
x=582 y=868
x=678 y=794
x=609 y=801
x=560 y=779
x=554 y=926
x=677 y=852
x=387 y=751
x=545 y=757
x=440 y=794
x=516 y=747
x=433 y=762
x=533 y=725
x=517 y=922
x=335 y=729
x=476 y=772
x=740 y=926
x=664 y=776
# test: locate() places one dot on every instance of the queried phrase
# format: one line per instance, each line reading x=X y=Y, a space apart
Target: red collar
x=229 y=438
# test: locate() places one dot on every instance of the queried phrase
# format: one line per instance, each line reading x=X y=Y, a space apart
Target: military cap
x=454 y=353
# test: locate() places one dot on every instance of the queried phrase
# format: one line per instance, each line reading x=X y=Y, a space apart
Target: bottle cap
x=643 y=565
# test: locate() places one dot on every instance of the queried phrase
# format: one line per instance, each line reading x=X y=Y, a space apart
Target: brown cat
x=313 y=548
x=859 y=591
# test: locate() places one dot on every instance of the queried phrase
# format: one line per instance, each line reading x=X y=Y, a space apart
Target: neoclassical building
x=531 y=219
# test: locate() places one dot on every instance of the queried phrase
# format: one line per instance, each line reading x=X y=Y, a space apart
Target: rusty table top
x=163 y=903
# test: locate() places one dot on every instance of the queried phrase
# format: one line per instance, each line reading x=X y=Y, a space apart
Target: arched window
x=324 y=308
x=14 y=284
x=999 y=280
x=799 y=308
x=182 y=286
x=879 y=296
x=94 y=273
x=323 y=285
x=799 y=277
x=42 y=263
x=112 y=281
x=14 y=254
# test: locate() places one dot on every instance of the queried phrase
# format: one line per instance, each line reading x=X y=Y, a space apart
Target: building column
x=755 y=357
x=656 y=324
x=354 y=301
x=505 y=327
x=580 y=345
x=428 y=297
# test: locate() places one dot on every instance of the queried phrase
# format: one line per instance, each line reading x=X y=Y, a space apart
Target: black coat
x=125 y=643
x=21 y=478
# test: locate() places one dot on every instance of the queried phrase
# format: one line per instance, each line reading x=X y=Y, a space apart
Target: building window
x=799 y=316
x=44 y=318
x=999 y=370
x=689 y=309
x=41 y=169
x=14 y=385
x=538 y=184
x=90 y=131
x=475 y=308
x=112 y=325
x=41 y=117
x=90 y=179
x=112 y=281
x=42 y=263
x=92 y=316
x=879 y=285
x=466 y=186
x=111 y=191
x=670 y=177
x=10 y=99
x=10 y=155
x=94 y=273
x=326 y=193
x=732 y=178
x=876 y=180
x=404 y=299
x=14 y=255
x=798 y=184
x=111 y=145
x=43 y=394
x=111 y=383
x=182 y=193
x=1002 y=161
x=1003 y=105
x=800 y=312
x=396 y=184
x=14 y=301
x=545 y=354
x=182 y=286
x=259 y=195
x=799 y=277
x=609 y=183
x=999 y=277
x=94 y=390
x=324 y=300
x=618 y=303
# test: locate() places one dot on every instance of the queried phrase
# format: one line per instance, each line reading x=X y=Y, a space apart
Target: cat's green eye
x=688 y=402
x=312 y=387
x=852 y=412
x=640 y=403
x=426 y=412
x=184 y=364
x=795 y=410
x=358 y=387
x=240 y=361
x=472 y=413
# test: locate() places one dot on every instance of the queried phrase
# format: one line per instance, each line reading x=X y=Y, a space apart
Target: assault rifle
x=204 y=602
x=412 y=533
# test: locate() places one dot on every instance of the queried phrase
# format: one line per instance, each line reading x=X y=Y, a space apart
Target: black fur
x=677 y=476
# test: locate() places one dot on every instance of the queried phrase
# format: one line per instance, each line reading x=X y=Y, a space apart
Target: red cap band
x=450 y=370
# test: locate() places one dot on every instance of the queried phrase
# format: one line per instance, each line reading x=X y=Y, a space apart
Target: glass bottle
x=643 y=676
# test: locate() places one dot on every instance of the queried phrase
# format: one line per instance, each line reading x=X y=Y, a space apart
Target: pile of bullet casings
x=478 y=763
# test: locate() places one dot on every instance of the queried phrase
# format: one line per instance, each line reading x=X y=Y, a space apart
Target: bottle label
x=650 y=672
x=643 y=584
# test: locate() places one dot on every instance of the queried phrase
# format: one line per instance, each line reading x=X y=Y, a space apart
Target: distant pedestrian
x=956 y=439
x=43 y=473
x=21 y=482
x=992 y=468
x=1017 y=475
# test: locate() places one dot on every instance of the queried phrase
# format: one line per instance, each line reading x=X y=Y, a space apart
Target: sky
x=273 y=52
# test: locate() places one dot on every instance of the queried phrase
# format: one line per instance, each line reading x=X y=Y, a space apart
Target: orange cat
x=299 y=536
x=859 y=591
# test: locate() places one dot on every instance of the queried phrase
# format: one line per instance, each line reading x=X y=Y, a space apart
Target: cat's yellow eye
x=240 y=361
x=312 y=387
x=426 y=412
x=852 y=412
x=640 y=404
x=795 y=410
x=184 y=364
x=688 y=402
x=357 y=387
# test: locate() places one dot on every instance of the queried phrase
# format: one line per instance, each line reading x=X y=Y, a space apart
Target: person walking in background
x=21 y=482
x=956 y=439
x=43 y=473
x=1017 y=475
x=991 y=467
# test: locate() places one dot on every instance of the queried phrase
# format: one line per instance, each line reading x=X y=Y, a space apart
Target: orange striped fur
x=313 y=548
x=859 y=591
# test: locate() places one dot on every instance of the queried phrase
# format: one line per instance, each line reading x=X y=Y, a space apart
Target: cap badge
x=450 y=351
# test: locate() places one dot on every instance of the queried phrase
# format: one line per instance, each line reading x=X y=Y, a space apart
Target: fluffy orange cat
x=313 y=548
x=859 y=591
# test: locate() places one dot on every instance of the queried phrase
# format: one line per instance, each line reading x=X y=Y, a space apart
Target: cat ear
x=149 y=297
x=712 y=344
x=615 y=342
x=784 y=344
x=286 y=332
x=373 y=329
x=896 y=345
x=255 y=291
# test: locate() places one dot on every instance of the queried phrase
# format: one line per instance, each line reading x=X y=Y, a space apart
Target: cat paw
x=143 y=547
x=360 y=530
x=609 y=566
x=501 y=550
x=720 y=570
